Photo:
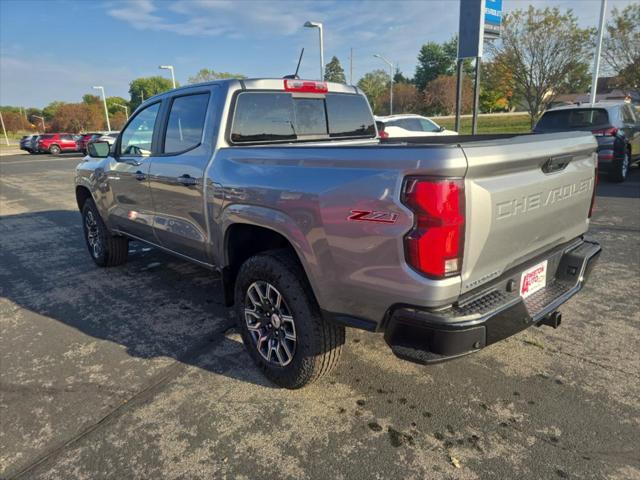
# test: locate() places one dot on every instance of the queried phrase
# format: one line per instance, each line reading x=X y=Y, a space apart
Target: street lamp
x=318 y=25
x=377 y=55
x=42 y=119
x=126 y=109
x=104 y=101
x=169 y=67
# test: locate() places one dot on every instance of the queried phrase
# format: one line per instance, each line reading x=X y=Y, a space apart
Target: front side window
x=428 y=126
x=138 y=135
x=186 y=122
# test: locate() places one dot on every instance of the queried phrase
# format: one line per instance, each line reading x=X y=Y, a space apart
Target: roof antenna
x=295 y=75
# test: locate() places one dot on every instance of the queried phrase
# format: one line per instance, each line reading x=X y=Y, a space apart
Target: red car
x=56 y=143
x=85 y=139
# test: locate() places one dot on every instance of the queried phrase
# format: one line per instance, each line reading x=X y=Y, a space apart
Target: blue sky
x=56 y=50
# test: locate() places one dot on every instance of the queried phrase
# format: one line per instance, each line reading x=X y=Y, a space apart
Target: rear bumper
x=427 y=336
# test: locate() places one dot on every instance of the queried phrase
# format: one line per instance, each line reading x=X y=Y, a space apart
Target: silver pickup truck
x=446 y=245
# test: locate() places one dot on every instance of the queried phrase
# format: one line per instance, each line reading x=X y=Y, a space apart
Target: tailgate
x=524 y=195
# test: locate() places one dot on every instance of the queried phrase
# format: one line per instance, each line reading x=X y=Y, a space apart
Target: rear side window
x=628 y=115
x=186 y=122
x=275 y=116
x=575 y=118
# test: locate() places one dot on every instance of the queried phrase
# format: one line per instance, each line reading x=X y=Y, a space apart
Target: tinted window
x=310 y=118
x=349 y=116
x=186 y=122
x=428 y=125
x=573 y=119
x=261 y=117
x=46 y=137
x=137 y=137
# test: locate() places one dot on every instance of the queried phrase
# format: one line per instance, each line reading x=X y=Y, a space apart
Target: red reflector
x=435 y=245
x=383 y=134
x=305 y=86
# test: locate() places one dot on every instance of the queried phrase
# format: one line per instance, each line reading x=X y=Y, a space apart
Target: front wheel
x=106 y=250
x=281 y=324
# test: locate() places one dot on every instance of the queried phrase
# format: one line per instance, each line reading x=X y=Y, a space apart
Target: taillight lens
x=305 y=86
x=613 y=131
x=434 y=247
x=383 y=134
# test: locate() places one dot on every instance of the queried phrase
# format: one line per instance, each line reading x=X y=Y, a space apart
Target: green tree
x=333 y=71
x=90 y=99
x=399 y=78
x=49 y=111
x=542 y=47
x=496 y=87
x=207 y=75
x=146 y=87
x=621 y=46
x=374 y=84
x=113 y=102
x=434 y=59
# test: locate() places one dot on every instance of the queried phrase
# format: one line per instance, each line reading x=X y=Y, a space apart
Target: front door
x=132 y=209
x=176 y=177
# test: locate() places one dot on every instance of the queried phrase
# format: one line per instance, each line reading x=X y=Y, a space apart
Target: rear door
x=524 y=196
x=131 y=209
x=176 y=176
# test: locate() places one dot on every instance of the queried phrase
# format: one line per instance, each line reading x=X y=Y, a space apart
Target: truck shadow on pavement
x=630 y=188
x=154 y=306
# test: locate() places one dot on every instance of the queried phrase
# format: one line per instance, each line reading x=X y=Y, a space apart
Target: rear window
x=573 y=119
x=276 y=116
x=46 y=137
x=186 y=122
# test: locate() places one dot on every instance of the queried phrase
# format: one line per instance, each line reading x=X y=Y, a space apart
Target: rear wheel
x=281 y=324
x=106 y=250
x=621 y=167
x=54 y=150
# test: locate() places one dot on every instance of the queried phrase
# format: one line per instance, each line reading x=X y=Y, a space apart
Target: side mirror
x=99 y=149
x=442 y=129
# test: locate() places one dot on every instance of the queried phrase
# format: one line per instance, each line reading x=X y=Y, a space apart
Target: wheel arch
x=82 y=195
x=243 y=240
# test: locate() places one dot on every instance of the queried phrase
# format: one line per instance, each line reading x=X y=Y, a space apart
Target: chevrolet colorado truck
x=446 y=245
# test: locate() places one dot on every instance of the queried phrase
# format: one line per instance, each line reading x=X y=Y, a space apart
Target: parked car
x=409 y=125
x=25 y=142
x=445 y=244
x=56 y=143
x=616 y=126
x=33 y=144
x=84 y=139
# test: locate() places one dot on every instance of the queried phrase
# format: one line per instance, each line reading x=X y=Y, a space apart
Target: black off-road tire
x=54 y=150
x=318 y=342
x=113 y=249
x=621 y=168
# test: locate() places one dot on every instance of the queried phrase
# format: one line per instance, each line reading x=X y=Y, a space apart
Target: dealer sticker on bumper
x=533 y=279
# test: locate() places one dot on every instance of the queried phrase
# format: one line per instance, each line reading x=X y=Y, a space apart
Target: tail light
x=593 y=194
x=383 y=134
x=434 y=247
x=612 y=131
x=305 y=86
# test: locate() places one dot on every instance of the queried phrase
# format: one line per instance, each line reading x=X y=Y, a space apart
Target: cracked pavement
x=136 y=371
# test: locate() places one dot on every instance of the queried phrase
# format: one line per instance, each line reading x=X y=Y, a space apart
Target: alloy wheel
x=270 y=323
x=93 y=234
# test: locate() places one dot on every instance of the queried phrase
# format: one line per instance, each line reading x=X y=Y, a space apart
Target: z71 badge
x=372 y=216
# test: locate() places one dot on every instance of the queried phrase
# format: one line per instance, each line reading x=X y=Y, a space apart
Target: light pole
x=126 y=109
x=4 y=130
x=377 y=55
x=596 y=61
x=173 y=76
x=318 y=25
x=106 y=111
x=41 y=119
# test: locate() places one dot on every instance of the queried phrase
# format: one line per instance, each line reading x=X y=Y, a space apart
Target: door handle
x=140 y=176
x=187 y=180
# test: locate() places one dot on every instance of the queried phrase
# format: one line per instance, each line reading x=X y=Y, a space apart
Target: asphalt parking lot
x=133 y=372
